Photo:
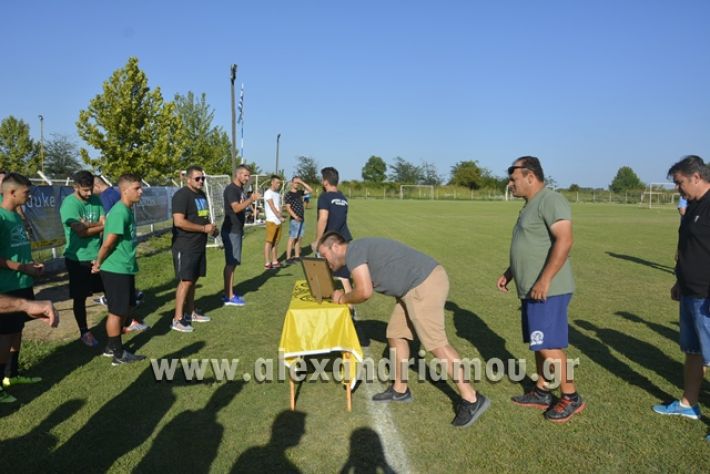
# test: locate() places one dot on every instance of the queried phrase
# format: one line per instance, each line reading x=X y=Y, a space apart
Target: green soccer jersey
x=74 y=210
x=122 y=259
x=14 y=246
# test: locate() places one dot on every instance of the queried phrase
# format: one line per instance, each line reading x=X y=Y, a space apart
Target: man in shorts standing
x=83 y=220
x=191 y=226
x=117 y=263
x=294 y=206
x=539 y=264
x=272 y=206
x=235 y=205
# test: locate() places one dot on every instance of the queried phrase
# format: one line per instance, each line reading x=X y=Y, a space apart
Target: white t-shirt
x=276 y=198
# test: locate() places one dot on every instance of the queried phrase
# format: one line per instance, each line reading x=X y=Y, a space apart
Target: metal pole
x=278 y=139
x=233 y=77
x=41 y=141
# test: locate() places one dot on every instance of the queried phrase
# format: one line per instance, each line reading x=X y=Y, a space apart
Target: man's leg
x=554 y=362
x=181 y=294
x=289 y=248
x=114 y=323
x=693 y=373
x=190 y=298
x=297 y=247
x=456 y=371
x=267 y=253
x=400 y=353
x=228 y=280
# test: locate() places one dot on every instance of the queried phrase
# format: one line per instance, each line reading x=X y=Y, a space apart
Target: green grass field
x=91 y=417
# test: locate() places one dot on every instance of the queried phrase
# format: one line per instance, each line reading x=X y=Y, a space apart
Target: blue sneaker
x=233 y=301
x=674 y=408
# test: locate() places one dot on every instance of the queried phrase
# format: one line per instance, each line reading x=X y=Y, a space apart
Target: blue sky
x=585 y=86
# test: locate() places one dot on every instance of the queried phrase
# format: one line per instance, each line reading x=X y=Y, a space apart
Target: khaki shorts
x=273 y=233
x=421 y=312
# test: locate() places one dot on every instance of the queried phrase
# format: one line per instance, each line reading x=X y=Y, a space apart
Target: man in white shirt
x=272 y=206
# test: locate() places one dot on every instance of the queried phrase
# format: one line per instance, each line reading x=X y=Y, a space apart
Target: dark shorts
x=82 y=283
x=189 y=264
x=545 y=322
x=120 y=292
x=232 y=247
x=12 y=323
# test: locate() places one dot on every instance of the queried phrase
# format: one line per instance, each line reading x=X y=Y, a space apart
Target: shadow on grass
x=124 y=422
x=28 y=453
x=664 y=331
x=189 y=442
x=366 y=454
x=286 y=432
x=641 y=261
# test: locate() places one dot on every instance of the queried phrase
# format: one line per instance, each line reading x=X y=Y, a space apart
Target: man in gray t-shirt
x=420 y=286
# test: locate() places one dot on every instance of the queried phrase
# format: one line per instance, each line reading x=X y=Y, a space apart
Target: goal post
x=659 y=195
x=416 y=191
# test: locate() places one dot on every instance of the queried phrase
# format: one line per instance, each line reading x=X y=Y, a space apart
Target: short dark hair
x=688 y=166
x=83 y=179
x=16 y=179
x=275 y=176
x=242 y=167
x=192 y=168
x=531 y=164
x=331 y=238
x=128 y=178
x=331 y=175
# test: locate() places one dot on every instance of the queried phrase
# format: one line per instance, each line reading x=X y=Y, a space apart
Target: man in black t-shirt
x=235 y=205
x=191 y=226
x=294 y=206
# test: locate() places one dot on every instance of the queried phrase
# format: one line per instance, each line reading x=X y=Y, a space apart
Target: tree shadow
x=660 y=329
x=366 y=454
x=286 y=432
x=28 y=453
x=641 y=261
x=124 y=422
x=189 y=442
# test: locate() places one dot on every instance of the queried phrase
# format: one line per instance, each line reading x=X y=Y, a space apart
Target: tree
x=307 y=169
x=61 y=157
x=574 y=188
x=429 y=174
x=375 y=170
x=404 y=172
x=18 y=152
x=626 y=180
x=132 y=127
x=205 y=145
x=467 y=174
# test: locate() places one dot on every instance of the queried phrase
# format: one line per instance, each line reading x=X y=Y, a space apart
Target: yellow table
x=312 y=328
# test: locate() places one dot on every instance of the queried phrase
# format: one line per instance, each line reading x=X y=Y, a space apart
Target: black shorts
x=120 y=292
x=12 y=323
x=189 y=264
x=82 y=283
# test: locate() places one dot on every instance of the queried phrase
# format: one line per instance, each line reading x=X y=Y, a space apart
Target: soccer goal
x=659 y=195
x=416 y=191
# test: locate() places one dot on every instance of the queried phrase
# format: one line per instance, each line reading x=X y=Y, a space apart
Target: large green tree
x=626 y=180
x=430 y=174
x=404 y=172
x=467 y=174
x=61 y=157
x=205 y=145
x=375 y=170
x=132 y=127
x=18 y=152
x=307 y=169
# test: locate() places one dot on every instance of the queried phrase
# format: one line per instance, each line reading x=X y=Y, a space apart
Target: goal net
x=659 y=195
x=416 y=191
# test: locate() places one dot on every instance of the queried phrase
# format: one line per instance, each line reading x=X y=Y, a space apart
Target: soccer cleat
x=89 y=339
x=233 y=301
x=126 y=358
x=564 y=409
x=135 y=326
x=6 y=397
x=534 y=399
x=20 y=380
x=391 y=395
x=467 y=413
x=181 y=325
x=674 y=408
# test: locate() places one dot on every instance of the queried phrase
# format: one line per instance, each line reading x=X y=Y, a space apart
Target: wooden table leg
x=348 y=391
x=292 y=387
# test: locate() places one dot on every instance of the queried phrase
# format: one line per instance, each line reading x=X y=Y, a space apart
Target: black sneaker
x=534 y=399
x=564 y=409
x=467 y=412
x=390 y=395
x=126 y=358
x=107 y=353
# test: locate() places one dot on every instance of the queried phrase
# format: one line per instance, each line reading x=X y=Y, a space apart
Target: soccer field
x=88 y=416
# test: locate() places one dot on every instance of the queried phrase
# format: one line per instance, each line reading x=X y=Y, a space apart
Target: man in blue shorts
x=692 y=288
x=539 y=264
x=294 y=200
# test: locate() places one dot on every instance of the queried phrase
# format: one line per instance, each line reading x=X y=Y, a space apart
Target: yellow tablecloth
x=318 y=328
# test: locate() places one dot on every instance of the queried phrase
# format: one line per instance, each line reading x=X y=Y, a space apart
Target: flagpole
x=241 y=122
x=233 y=77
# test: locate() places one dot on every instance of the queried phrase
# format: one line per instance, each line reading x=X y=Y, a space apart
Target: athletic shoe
x=674 y=408
x=126 y=358
x=564 y=409
x=182 y=325
x=19 y=380
x=534 y=399
x=101 y=300
x=197 y=318
x=391 y=395
x=467 y=413
x=107 y=353
x=139 y=295
x=6 y=397
x=233 y=301
x=89 y=339
x=135 y=326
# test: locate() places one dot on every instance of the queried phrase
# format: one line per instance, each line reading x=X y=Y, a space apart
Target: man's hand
x=209 y=228
x=95 y=267
x=33 y=269
x=539 y=290
x=255 y=196
x=44 y=310
x=337 y=295
x=675 y=292
x=503 y=281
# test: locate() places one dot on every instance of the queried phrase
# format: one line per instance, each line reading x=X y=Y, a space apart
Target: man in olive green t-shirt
x=539 y=264
x=117 y=263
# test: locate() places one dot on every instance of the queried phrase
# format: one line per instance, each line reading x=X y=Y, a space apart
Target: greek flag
x=241 y=105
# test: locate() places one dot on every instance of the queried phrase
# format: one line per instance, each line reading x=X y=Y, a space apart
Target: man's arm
x=110 y=241
x=362 y=290
x=87 y=229
x=183 y=224
x=43 y=309
x=320 y=225
x=289 y=209
x=240 y=206
x=305 y=185
x=562 y=235
x=276 y=212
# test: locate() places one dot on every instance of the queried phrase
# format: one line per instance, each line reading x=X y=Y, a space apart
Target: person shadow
x=664 y=331
x=198 y=450
x=286 y=432
x=367 y=455
x=124 y=422
x=644 y=262
x=29 y=452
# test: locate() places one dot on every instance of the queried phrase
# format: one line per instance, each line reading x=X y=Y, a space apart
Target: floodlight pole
x=233 y=77
x=278 y=139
